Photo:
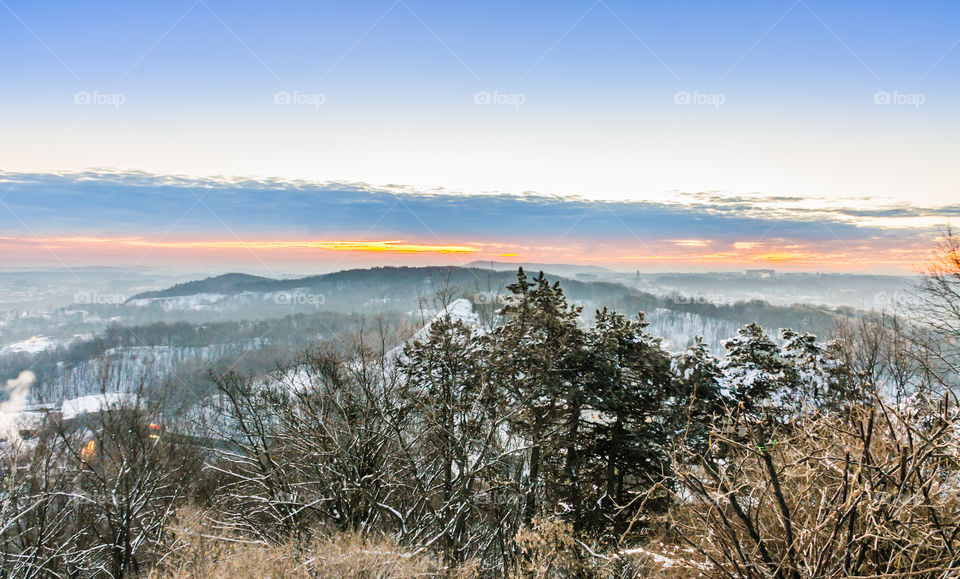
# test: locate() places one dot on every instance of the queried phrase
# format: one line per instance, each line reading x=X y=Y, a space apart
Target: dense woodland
x=534 y=444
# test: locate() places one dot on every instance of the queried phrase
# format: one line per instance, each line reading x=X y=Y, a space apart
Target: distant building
x=760 y=273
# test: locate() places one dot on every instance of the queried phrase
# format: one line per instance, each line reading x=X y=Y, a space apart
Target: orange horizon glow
x=329 y=245
x=786 y=254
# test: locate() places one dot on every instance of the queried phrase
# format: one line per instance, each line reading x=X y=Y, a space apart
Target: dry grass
x=202 y=552
x=549 y=549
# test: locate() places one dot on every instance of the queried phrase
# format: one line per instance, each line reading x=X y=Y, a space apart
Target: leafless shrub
x=551 y=548
x=872 y=493
x=91 y=496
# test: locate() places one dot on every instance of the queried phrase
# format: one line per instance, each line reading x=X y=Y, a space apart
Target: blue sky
x=852 y=102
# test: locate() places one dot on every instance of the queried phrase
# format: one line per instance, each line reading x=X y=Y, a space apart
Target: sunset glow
x=666 y=254
x=215 y=245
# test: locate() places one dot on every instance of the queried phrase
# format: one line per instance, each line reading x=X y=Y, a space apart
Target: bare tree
x=865 y=494
x=939 y=312
x=95 y=492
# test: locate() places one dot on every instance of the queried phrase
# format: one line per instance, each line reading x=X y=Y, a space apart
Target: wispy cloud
x=100 y=212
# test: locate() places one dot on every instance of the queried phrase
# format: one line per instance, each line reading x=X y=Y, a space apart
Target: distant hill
x=554 y=268
x=228 y=283
x=377 y=281
x=404 y=289
x=235 y=283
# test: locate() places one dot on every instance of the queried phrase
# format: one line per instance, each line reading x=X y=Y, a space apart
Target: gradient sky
x=824 y=133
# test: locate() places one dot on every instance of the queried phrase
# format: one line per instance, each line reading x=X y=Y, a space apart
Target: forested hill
x=406 y=289
x=227 y=283
x=379 y=280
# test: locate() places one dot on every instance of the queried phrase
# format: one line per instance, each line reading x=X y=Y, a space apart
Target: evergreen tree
x=753 y=370
x=535 y=357
x=816 y=373
x=629 y=384
x=700 y=401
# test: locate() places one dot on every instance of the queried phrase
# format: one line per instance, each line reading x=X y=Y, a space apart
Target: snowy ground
x=34 y=345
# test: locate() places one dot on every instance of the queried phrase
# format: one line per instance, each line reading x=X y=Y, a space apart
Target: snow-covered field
x=34 y=345
x=224 y=302
x=93 y=403
x=194 y=302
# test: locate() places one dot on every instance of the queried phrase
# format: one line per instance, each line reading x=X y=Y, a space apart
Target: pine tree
x=535 y=359
x=816 y=374
x=700 y=401
x=753 y=369
x=629 y=384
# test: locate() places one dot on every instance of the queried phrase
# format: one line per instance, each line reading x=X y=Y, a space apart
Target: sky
x=806 y=135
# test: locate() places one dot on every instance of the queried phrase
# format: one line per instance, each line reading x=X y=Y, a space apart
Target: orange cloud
x=780 y=253
x=330 y=245
x=691 y=242
x=670 y=254
x=784 y=256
